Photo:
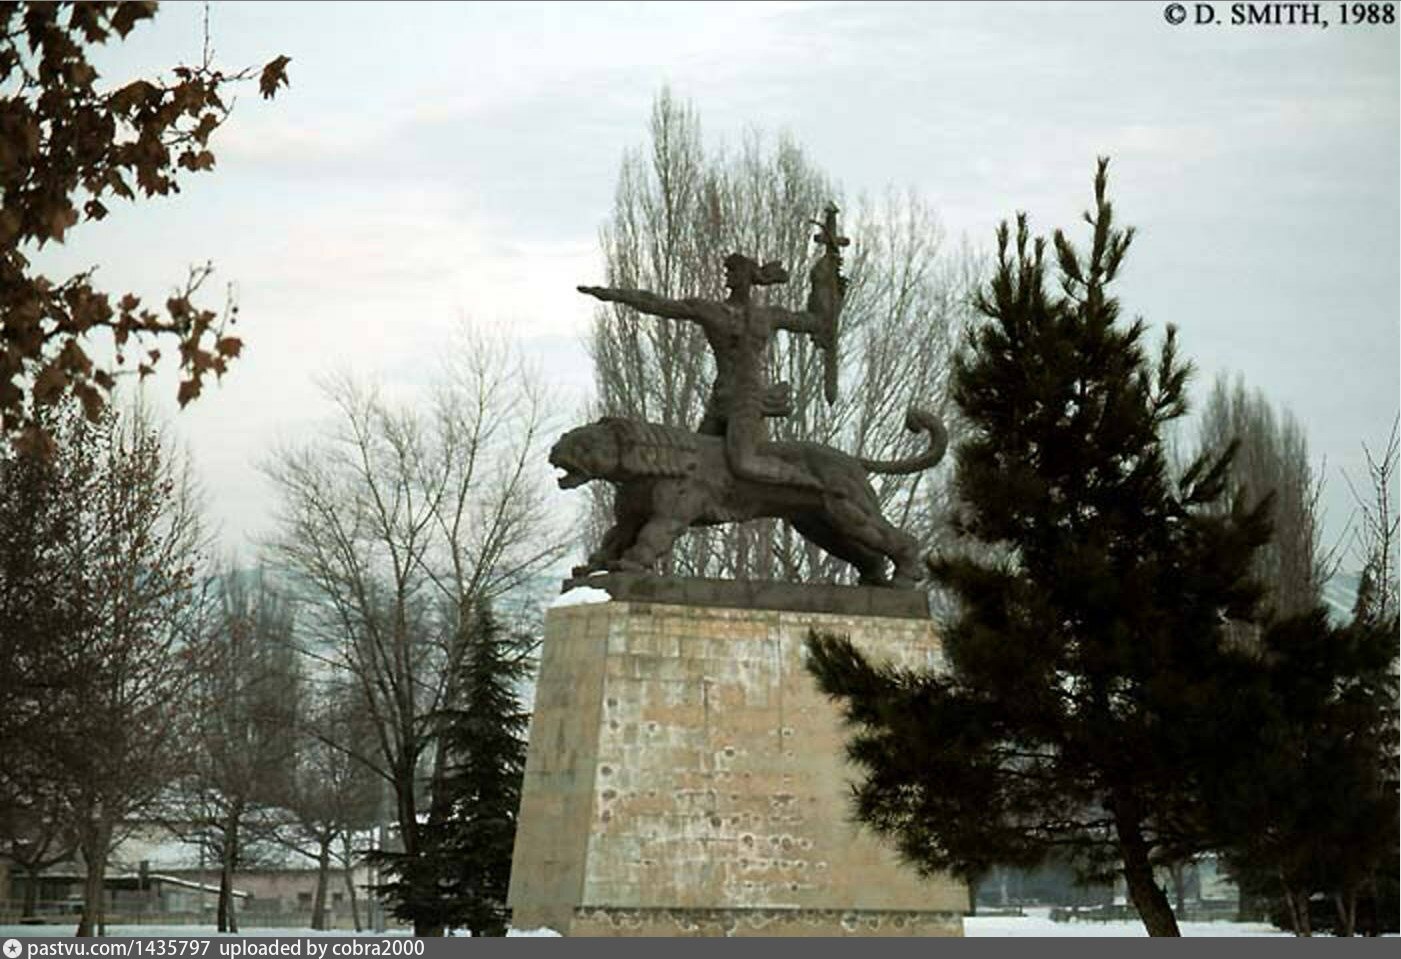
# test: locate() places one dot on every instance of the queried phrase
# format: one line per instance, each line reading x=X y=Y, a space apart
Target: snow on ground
x=1037 y=923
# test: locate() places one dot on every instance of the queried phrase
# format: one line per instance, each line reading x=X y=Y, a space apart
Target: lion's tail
x=917 y=420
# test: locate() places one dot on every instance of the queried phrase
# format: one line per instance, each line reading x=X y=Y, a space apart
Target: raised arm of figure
x=780 y=319
x=650 y=303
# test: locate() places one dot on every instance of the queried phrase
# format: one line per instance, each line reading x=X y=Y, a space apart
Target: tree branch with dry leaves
x=67 y=147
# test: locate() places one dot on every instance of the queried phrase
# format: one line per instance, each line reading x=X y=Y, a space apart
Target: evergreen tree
x=486 y=746
x=1357 y=831
x=1307 y=818
x=1088 y=661
x=1310 y=809
x=459 y=876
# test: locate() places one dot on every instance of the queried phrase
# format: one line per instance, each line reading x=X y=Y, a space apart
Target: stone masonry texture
x=686 y=778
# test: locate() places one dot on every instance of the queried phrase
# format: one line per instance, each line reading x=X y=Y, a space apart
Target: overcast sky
x=432 y=162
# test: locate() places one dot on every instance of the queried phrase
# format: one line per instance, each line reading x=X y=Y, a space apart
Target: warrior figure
x=739 y=332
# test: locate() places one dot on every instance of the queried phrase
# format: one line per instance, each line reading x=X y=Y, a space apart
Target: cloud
x=435 y=162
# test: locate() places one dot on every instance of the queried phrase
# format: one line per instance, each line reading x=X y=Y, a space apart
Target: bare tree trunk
x=1346 y=903
x=228 y=922
x=94 y=847
x=407 y=807
x=31 y=892
x=1146 y=895
x=408 y=834
x=1179 y=886
x=1294 y=925
x=1298 y=906
x=1301 y=909
x=350 y=888
x=323 y=869
x=1374 y=912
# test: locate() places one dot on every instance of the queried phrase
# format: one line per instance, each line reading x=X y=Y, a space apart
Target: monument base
x=758 y=594
x=686 y=778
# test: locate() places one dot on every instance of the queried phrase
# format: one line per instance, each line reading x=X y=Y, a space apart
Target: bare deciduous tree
x=107 y=646
x=146 y=544
x=1272 y=459
x=1375 y=537
x=679 y=210
x=41 y=506
x=244 y=705
x=332 y=797
x=395 y=525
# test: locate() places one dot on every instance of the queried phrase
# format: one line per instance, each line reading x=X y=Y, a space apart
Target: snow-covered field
x=1036 y=923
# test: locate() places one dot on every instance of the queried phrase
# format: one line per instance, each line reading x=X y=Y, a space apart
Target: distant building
x=153 y=878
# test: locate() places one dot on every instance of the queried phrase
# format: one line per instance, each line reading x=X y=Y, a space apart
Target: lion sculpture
x=669 y=479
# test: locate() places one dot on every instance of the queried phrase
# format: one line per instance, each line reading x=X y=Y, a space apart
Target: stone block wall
x=685 y=777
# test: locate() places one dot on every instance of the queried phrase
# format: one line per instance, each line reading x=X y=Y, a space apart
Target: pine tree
x=1311 y=807
x=459 y=876
x=1088 y=661
x=1357 y=835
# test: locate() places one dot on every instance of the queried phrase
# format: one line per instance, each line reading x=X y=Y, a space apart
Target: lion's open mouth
x=568 y=478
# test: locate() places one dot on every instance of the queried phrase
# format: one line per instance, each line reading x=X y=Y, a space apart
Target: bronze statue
x=668 y=478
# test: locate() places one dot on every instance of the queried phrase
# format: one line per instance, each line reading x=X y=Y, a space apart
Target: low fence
x=65 y=912
x=12 y=911
x=1193 y=912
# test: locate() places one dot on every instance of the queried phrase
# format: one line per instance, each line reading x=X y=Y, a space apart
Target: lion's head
x=586 y=453
x=620 y=450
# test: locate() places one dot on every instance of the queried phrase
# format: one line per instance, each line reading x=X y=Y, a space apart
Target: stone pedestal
x=685 y=777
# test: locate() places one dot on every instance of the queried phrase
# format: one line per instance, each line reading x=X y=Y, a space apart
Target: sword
x=828 y=293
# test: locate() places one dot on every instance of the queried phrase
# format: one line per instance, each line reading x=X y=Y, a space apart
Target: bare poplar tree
x=1272 y=459
x=679 y=210
x=244 y=706
x=395 y=525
